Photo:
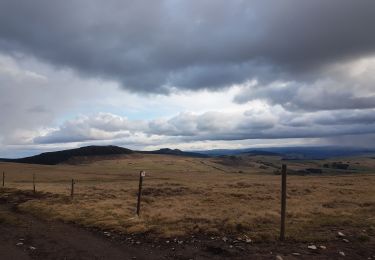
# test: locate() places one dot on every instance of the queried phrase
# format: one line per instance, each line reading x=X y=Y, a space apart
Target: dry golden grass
x=192 y=195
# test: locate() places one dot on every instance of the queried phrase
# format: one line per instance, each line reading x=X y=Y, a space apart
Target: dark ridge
x=52 y=158
x=177 y=152
x=264 y=153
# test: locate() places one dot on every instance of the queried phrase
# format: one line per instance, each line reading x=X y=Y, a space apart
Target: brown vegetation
x=184 y=196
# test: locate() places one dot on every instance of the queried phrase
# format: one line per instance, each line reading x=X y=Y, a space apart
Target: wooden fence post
x=34 y=183
x=3 y=179
x=72 y=189
x=283 y=202
x=141 y=175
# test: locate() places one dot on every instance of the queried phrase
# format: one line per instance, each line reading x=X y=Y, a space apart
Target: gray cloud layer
x=217 y=126
x=149 y=46
x=312 y=62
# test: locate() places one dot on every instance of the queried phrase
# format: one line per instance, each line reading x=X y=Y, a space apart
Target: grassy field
x=183 y=196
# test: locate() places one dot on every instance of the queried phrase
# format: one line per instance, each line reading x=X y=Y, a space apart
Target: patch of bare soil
x=23 y=236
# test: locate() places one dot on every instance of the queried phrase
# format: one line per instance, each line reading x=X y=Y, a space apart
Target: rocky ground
x=24 y=236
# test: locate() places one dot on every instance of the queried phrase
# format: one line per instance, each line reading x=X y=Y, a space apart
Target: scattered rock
x=107 y=234
x=180 y=242
x=346 y=240
x=278 y=257
x=340 y=234
x=296 y=254
x=167 y=241
x=248 y=240
x=313 y=247
x=240 y=248
x=225 y=239
x=230 y=246
x=32 y=248
x=138 y=242
x=323 y=247
x=21 y=239
x=342 y=253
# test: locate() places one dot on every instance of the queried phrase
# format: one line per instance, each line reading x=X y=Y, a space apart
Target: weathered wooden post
x=283 y=202
x=72 y=189
x=3 y=179
x=141 y=175
x=34 y=183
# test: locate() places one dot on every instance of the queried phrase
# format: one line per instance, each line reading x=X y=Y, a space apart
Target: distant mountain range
x=287 y=153
x=295 y=153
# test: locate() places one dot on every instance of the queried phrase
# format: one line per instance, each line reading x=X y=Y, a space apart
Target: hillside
x=52 y=158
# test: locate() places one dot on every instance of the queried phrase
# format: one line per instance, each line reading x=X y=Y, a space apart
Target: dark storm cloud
x=320 y=95
x=150 y=46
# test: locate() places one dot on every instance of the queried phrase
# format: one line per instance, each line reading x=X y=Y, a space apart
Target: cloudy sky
x=185 y=74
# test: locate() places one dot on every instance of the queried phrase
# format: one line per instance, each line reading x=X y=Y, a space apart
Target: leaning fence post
x=283 y=202
x=34 y=183
x=3 y=179
x=141 y=175
x=72 y=189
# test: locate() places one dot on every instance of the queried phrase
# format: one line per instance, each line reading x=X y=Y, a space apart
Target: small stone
x=278 y=257
x=21 y=239
x=342 y=253
x=248 y=240
x=32 y=248
x=212 y=238
x=340 y=234
x=138 y=242
x=296 y=254
x=19 y=244
x=173 y=248
x=225 y=239
x=323 y=247
x=180 y=242
x=346 y=240
x=230 y=246
x=167 y=241
x=313 y=247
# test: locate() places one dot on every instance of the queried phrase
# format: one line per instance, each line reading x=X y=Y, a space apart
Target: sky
x=191 y=75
